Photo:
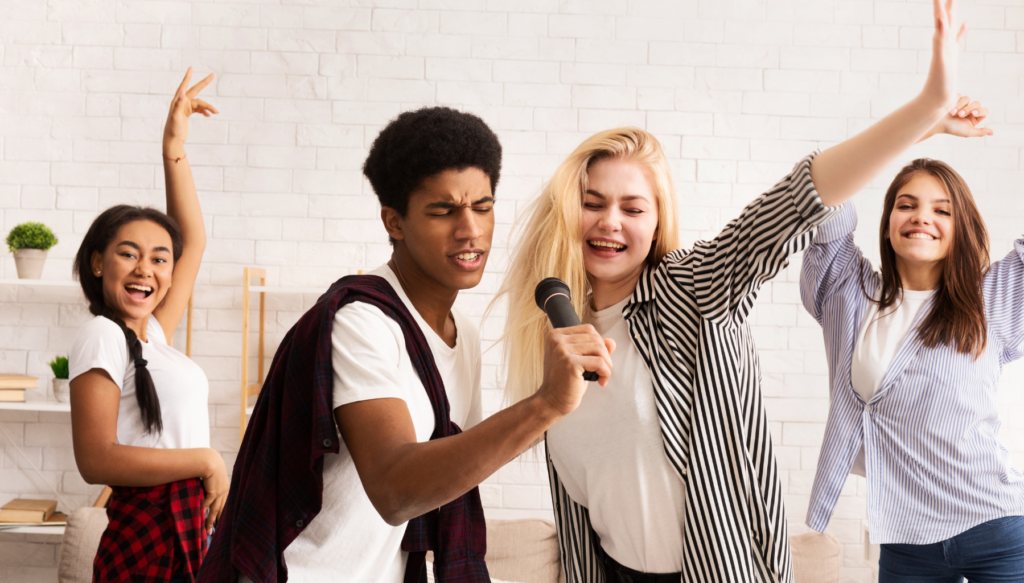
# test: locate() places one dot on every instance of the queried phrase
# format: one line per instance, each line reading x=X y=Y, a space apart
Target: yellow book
x=12 y=395
x=27 y=510
x=55 y=519
x=18 y=381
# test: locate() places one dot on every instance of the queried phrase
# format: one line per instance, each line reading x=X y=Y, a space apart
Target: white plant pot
x=29 y=263
x=62 y=390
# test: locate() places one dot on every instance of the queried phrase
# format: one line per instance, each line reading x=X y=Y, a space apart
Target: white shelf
x=286 y=289
x=41 y=282
x=41 y=405
x=57 y=530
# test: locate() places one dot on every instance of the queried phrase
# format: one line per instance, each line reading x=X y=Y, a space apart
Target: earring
x=99 y=273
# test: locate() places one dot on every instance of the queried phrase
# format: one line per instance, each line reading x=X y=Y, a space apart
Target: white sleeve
x=100 y=344
x=366 y=348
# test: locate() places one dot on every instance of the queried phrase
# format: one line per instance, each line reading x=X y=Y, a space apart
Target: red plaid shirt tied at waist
x=277 y=483
x=153 y=534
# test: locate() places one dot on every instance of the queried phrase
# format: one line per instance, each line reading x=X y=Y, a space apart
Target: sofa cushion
x=524 y=550
x=80 y=543
x=815 y=558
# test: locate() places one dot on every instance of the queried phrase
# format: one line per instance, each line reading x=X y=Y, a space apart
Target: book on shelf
x=12 y=395
x=27 y=510
x=55 y=519
x=18 y=381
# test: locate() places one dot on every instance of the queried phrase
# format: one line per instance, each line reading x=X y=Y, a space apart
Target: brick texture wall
x=736 y=90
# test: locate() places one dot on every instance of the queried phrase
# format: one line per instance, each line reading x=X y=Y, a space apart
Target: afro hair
x=421 y=143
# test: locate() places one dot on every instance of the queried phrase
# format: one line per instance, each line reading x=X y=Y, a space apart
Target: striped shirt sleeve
x=830 y=261
x=728 y=271
x=1004 y=299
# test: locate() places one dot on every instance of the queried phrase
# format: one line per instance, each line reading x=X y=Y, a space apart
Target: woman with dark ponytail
x=139 y=410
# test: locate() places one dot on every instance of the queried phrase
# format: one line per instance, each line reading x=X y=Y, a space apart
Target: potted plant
x=61 y=384
x=29 y=243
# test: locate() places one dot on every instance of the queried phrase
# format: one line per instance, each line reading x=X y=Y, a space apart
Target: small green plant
x=59 y=365
x=30 y=236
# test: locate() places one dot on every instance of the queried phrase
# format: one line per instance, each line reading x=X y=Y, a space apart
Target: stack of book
x=12 y=387
x=27 y=511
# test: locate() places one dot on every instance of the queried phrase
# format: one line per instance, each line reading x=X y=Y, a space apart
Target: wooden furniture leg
x=248 y=390
x=103 y=498
x=188 y=328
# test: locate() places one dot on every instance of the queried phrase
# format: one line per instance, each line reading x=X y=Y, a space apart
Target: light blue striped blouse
x=935 y=465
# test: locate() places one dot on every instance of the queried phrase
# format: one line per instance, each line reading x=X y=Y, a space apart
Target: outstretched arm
x=182 y=201
x=844 y=169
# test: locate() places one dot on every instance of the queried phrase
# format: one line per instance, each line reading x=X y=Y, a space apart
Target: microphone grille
x=547 y=287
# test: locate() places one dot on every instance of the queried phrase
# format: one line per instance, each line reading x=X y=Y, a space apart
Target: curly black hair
x=418 y=144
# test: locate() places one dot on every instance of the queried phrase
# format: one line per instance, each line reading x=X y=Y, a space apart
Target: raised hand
x=184 y=104
x=964 y=118
x=941 y=83
x=183 y=202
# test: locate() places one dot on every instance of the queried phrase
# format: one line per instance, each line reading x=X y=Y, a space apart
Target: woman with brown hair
x=139 y=408
x=915 y=353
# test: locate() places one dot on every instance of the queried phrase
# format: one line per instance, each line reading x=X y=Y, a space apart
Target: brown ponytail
x=145 y=390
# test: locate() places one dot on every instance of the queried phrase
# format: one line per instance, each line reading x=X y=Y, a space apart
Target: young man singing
x=385 y=361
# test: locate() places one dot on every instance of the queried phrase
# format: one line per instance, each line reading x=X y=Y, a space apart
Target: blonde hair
x=551 y=245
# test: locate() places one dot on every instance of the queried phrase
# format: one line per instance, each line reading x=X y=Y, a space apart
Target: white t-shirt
x=180 y=384
x=349 y=541
x=878 y=342
x=610 y=457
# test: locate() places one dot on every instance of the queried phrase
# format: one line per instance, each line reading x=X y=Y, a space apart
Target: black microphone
x=553 y=297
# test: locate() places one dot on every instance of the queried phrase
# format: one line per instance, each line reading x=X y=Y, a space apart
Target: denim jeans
x=992 y=552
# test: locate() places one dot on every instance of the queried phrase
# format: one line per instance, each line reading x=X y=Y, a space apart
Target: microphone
x=553 y=297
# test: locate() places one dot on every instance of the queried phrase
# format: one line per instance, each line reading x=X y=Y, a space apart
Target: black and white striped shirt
x=688 y=319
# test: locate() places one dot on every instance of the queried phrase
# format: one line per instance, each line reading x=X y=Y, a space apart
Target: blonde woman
x=666 y=473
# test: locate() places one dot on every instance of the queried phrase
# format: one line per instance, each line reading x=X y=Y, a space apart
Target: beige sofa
x=524 y=551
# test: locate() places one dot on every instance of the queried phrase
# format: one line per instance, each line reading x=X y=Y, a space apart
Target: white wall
x=736 y=90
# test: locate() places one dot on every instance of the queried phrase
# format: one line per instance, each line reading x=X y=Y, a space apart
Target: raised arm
x=182 y=201
x=844 y=169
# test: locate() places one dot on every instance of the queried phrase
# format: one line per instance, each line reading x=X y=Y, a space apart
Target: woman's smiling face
x=921 y=222
x=620 y=220
x=136 y=268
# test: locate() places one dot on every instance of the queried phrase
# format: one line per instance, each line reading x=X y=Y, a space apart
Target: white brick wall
x=737 y=91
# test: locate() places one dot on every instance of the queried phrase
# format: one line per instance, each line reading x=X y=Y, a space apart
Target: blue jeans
x=992 y=552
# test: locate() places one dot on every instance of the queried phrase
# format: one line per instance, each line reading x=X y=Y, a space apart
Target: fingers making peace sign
x=184 y=104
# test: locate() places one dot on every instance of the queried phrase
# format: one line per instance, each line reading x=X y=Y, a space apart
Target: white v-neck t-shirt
x=349 y=541
x=880 y=338
x=610 y=457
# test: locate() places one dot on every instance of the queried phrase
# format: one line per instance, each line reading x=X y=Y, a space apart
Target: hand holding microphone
x=574 y=353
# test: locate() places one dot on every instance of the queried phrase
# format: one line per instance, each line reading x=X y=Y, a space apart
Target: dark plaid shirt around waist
x=277 y=481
